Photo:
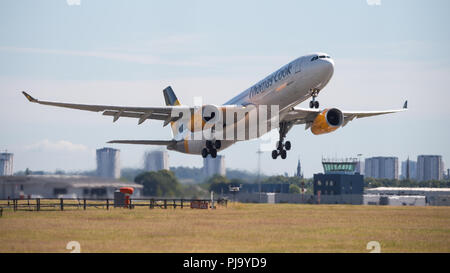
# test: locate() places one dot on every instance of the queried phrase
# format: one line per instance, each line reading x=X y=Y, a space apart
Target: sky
x=127 y=52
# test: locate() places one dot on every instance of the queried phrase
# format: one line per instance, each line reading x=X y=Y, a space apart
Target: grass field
x=238 y=228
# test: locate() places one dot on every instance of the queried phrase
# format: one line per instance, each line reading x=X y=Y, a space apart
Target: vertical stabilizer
x=170 y=97
x=171 y=100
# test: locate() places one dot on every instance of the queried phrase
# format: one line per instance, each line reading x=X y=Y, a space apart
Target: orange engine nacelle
x=327 y=121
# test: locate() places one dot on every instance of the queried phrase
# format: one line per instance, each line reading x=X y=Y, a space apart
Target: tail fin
x=170 y=97
x=171 y=100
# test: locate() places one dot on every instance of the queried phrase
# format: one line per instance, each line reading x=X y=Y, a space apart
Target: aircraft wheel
x=213 y=153
x=283 y=154
x=311 y=104
x=316 y=104
x=209 y=144
x=204 y=152
x=274 y=154
x=218 y=144
x=287 y=145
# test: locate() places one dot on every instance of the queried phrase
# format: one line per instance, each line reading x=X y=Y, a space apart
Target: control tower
x=340 y=166
x=340 y=183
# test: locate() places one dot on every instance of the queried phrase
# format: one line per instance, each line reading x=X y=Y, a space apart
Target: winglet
x=405 y=105
x=30 y=98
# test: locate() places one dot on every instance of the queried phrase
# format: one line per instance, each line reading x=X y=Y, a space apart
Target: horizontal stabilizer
x=145 y=142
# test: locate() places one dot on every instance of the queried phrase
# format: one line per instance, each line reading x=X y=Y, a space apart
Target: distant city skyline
x=109 y=165
x=384 y=54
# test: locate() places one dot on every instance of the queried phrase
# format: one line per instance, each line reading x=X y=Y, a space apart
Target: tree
x=294 y=188
x=160 y=183
x=218 y=184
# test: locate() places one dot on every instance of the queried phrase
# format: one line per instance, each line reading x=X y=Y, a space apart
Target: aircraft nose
x=327 y=67
x=322 y=69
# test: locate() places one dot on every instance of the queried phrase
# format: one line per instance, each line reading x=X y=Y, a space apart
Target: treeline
x=165 y=183
x=221 y=184
x=194 y=174
x=373 y=183
x=197 y=175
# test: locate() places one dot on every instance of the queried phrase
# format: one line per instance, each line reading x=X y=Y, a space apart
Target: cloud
x=73 y=2
x=374 y=2
x=127 y=57
x=202 y=61
x=57 y=146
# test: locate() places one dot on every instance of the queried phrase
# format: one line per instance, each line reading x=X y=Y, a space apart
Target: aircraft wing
x=307 y=116
x=145 y=142
x=141 y=113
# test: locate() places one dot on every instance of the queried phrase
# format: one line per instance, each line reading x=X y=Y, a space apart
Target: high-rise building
x=429 y=167
x=108 y=163
x=212 y=166
x=381 y=167
x=156 y=160
x=6 y=164
x=409 y=171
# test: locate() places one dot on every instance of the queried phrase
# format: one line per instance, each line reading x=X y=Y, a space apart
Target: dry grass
x=238 y=228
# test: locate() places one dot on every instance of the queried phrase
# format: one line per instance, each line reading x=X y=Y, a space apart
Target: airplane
x=292 y=84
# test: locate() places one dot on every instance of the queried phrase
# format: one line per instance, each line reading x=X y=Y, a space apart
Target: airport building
x=272 y=188
x=429 y=167
x=339 y=183
x=431 y=196
x=409 y=169
x=61 y=186
x=381 y=167
x=6 y=164
x=395 y=200
x=213 y=166
x=108 y=163
x=156 y=160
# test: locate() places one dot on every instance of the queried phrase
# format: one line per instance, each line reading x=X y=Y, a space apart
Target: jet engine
x=327 y=121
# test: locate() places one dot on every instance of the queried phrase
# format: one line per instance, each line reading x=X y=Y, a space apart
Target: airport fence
x=61 y=204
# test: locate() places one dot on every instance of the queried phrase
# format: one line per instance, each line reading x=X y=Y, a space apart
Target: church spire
x=299 y=169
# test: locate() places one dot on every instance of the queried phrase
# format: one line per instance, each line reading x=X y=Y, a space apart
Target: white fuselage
x=286 y=87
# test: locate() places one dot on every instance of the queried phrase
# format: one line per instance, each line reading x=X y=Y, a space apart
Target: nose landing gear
x=211 y=148
x=314 y=103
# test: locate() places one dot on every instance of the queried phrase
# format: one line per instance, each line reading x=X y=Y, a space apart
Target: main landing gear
x=211 y=148
x=314 y=103
x=282 y=148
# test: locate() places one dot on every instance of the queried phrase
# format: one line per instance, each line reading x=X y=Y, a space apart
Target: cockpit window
x=320 y=57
